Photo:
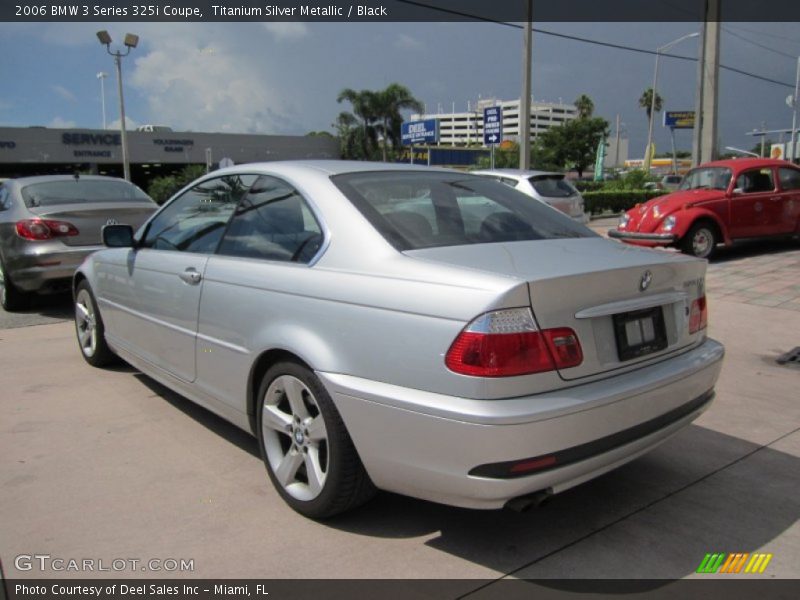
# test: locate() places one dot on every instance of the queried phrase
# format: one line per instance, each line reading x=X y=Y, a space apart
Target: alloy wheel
x=86 y=323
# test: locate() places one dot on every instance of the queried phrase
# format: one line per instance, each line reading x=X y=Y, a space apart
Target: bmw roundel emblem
x=647 y=277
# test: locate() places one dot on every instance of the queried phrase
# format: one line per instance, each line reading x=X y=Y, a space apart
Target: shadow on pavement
x=701 y=491
x=754 y=248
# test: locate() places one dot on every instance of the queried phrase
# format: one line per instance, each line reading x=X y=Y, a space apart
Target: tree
x=572 y=145
x=767 y=145
x=585 y=106
x=363 y=104
x=646 y=102
x=374 y=112
x=387 y=106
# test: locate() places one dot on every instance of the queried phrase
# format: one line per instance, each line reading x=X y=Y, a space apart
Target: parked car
x=49 y=224
x=551 y=188
x=671 y=182
x=719 y=202
x=417 y=330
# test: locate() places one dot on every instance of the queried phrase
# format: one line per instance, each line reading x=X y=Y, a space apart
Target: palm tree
x=388 y=103
x=585 y=106
x=364 y=104
x=646 y=101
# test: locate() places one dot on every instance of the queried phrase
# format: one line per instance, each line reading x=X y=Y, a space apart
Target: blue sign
x=420 y=132
x=683 y=119
x=492 y=125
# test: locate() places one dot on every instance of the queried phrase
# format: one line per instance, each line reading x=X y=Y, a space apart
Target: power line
x=589 y=41
x=749 y=41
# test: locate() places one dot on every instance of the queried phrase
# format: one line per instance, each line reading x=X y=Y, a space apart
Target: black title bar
x=400 y=10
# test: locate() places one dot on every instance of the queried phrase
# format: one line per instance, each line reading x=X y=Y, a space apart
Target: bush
x=161 y=189
x=632 y=180
x=616 y=201
x=588 y=186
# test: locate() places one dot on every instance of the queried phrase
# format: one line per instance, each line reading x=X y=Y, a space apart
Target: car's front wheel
x=11 y=297
x=89 y=328
x=308 y=453
x=700 y=240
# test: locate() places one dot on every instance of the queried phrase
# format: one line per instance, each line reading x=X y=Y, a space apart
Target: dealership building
x=41 y=151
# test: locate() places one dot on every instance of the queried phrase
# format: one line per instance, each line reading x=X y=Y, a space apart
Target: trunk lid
x=594 y=287
x=89 y=218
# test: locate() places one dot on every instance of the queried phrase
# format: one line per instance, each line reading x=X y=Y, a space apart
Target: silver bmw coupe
x=410 y=329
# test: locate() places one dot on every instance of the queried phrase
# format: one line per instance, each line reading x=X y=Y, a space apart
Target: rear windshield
x=552 y=186
x=72 y=191
x=414 y=210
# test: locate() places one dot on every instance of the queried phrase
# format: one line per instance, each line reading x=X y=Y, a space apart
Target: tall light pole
x=654 y=92
x=130 y=41
x=102 y=77
x=792 y=153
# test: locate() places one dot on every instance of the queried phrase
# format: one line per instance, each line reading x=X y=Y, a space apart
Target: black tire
x=322 y=447
x=701 y=240
x=11 y=297
x=89 y=328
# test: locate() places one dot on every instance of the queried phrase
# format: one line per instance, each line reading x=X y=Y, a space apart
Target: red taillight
x=507 y=342
x=44 y=229
x=698 y=317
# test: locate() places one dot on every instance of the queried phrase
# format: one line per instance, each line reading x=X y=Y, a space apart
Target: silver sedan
x=410 y=329
x=50 y=223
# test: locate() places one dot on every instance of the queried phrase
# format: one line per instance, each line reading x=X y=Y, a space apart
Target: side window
x=195 y=221
x=789 y=178
x=272 y=222
x=755 y=181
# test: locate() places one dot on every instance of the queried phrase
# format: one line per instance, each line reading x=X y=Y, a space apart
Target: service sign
x=420 y=132
x=680 y=119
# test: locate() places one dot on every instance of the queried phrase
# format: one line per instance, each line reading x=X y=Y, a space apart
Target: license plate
x=640 y=332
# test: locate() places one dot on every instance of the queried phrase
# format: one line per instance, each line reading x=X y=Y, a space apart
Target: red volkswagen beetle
x=719 y=202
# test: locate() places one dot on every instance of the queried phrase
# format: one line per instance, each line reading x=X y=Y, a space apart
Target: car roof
x=520 y=173
x=747 y=163
x=47 y=178
x=328 y=167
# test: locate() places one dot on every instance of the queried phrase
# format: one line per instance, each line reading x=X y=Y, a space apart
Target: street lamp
x=130 y=41
x=653 y=94
x=792 y=153
x=102 y=77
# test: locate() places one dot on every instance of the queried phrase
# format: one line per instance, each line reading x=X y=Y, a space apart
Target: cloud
x=59 y=123
x=130 y=124
x=225 y=89
x=405 y=42
x=286 y=30
x=64 y=93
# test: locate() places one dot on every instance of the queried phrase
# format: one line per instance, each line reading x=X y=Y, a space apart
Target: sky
x=283 y=78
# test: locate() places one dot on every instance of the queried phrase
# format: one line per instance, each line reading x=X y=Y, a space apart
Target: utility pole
x=616 y=146
x=525 y=98
x=708 y=138
x=792 y=153
x=698 y=98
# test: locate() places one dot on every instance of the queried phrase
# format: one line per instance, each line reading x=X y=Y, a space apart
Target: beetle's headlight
x=623 y=221
x=669 y=223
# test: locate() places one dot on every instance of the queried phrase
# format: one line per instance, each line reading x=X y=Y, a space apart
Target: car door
x=255 y=286
x=156 y=294
x=755 y=204
x=789 y=181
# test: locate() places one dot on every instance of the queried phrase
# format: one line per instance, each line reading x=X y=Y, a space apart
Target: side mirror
x=118 y=236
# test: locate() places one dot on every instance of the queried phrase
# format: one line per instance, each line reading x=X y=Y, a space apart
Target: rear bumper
x=426 y=445
x=649 y=239
x=46 y=267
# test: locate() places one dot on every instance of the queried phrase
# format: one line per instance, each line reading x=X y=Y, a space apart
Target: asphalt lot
x=107 y=464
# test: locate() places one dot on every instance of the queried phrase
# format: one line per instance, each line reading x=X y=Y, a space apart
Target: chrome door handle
x=776 y=199
x=191 y=276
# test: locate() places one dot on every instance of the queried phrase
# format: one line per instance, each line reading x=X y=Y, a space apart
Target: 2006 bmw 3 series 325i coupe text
x=410 y=329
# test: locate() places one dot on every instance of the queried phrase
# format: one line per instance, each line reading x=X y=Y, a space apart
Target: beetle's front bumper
x=649 y=239
x=431 y=446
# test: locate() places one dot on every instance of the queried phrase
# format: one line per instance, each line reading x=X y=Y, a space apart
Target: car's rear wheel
x=89 y=328
x=701 y=240
x=308 y=453
x=11 y=298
